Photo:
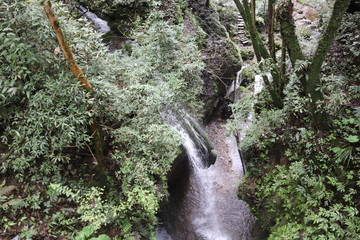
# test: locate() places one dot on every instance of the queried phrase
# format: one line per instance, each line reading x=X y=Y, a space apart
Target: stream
x=208 y=208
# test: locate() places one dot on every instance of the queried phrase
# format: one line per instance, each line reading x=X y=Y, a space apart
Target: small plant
x=7 y=201
x=246 y=54
x=89 y=231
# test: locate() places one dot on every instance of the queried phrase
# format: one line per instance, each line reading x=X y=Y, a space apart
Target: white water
x=236 y=83
x=99 y=24
x=210 y=210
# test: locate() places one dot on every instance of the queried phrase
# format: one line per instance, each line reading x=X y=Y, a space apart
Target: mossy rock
x=247 y=54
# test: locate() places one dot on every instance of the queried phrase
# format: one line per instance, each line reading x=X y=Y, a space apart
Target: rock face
x=305 y=15
x=308 y=21
x=221 y=54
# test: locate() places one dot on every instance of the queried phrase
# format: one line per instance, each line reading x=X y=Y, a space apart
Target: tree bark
x=248 y=23
x=276 y=87
x=207 y=4
x=310 y=77
x=254 y=33
x=288 y=34
x=271 y=20
x=65 y=48
x=253 y=10
x=283 y=58
x=78 y=73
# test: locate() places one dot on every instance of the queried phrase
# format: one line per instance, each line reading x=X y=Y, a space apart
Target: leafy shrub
x=247 y=54
x=294 y=198
x=302 y=181
x=45 y=114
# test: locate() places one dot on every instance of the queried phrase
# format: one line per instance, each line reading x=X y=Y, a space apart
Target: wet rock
x=224 y=108
x=305 y=15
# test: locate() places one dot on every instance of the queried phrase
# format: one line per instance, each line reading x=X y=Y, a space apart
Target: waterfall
x=99 y=24
x=235 y=84
x=208 y=211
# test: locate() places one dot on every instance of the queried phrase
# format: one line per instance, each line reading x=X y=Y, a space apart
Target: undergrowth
x=302 y=182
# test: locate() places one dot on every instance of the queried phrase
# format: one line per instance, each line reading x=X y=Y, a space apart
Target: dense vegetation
x=303 y=180
x=50 y=181
x=303 y=148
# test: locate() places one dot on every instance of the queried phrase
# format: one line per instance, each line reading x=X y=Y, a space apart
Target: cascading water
x=99 y=24
x=209 y=208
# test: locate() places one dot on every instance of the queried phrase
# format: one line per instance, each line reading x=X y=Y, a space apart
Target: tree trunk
x=288 y=34
x=253 y=10
x=314 y=70
x=207 y=4
x=283 y=58
x=271 y=20
x=275 y=88
x=78 y=73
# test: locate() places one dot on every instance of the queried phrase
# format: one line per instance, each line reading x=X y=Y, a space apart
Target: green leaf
x=6 y=190
x=352 y=139
x=101 y=237
x=85 y=232
x=335 y=149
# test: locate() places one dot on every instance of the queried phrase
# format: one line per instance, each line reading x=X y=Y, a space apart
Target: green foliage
x=312 y=192
x=247 y=53
x=249 y=72
x=241 y=110
x=263 y=127
x=7 y=201
x=294 y=198
x=171 y=59
x=44 y=116
x=92 y=208
x=259 y=21
x=304 y=32
x=85 y=233
x=303 y=183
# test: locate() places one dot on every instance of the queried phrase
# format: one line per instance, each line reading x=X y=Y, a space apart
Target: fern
x=301 y=65
x=5 y=201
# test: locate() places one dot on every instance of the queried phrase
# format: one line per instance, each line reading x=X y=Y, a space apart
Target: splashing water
x=208 y=211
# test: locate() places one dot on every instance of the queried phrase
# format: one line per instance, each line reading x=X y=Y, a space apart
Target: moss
x=228 y=17
x=247 y=54
x=201 y=34
x=259 y=21
x=278 y=45
x=249 y=72
x=231 y=58
x=287 y=28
